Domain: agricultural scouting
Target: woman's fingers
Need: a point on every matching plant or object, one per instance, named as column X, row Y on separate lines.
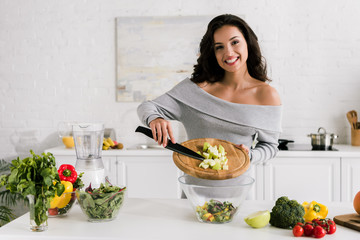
column 243, row 147
column 161, row 130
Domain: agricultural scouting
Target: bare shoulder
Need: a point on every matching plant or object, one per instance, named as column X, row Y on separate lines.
column 268, row 95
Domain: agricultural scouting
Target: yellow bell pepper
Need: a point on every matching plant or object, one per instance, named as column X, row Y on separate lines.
column 64, row 199
column 314, row 210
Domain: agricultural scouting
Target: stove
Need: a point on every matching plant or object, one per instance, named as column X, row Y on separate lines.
column 289, row 145
column 303, row 147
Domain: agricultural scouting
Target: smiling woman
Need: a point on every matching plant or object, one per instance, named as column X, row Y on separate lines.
column 227, row 96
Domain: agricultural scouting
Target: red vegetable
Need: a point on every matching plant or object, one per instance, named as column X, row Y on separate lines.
column 331, row 227
column 319, row 232
column 298, row 231
column 308, row 229
column 67, row 173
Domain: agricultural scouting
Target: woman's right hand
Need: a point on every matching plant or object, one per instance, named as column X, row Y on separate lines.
column 161, row 130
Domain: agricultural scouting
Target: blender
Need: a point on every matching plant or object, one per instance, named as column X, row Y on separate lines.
column 88, row 138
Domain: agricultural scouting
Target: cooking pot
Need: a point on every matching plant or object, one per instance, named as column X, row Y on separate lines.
column 322, row 140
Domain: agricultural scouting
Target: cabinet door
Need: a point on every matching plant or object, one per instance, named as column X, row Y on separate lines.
column 302, row 179
column 149, row 177
column 350, row 178
column 257, row 172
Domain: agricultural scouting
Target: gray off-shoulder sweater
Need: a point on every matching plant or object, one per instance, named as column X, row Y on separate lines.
column 206, row 116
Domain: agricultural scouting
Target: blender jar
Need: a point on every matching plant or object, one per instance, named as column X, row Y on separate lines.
column 88, row 138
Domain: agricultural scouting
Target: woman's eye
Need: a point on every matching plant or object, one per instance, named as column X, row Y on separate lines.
column 235, row 42
column 218, row 47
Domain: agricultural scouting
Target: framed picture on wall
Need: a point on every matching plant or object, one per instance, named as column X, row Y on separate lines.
column 153, row 54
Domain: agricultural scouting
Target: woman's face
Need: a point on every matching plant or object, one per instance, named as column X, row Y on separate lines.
column 230, row 48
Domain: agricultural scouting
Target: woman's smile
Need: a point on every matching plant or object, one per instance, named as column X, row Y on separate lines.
column 231, row 61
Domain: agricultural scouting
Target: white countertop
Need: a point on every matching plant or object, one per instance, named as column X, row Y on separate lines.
column 343, row 151
column 164, row 219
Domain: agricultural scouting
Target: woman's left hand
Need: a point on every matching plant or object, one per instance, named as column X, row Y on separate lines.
column 243, row 147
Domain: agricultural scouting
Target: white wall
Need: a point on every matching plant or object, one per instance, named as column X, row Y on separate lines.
column 57, row 62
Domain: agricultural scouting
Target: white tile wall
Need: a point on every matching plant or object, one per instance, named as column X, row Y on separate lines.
column 57, row 63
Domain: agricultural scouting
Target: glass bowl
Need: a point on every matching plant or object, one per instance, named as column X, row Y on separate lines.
column 69, row 199
column 99, row 207
column 216, row 201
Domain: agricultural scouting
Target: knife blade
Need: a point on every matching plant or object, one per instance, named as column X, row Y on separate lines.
column 172, row 146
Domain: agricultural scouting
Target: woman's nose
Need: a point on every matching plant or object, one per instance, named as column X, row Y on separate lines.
column 229, row 51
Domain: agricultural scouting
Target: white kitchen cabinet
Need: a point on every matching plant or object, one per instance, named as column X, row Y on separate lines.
column 350, row 184
column 256, row 192
column 302, row 178
column 149, row 176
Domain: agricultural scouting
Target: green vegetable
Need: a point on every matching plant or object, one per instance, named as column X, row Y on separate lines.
column 101, row 203
column 216, row 211
column 35, row 175
column 286, row 213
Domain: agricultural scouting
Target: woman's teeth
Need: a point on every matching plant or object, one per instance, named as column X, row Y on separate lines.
column 231, row 61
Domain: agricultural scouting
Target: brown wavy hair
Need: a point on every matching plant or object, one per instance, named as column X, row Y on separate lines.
column 207, row 68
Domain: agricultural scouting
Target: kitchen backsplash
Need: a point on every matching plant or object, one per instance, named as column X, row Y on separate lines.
column 58, row 64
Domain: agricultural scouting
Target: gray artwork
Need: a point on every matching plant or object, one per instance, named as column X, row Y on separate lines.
column 155, row 53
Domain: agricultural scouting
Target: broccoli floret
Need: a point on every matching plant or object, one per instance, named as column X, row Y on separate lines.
column 286, row 213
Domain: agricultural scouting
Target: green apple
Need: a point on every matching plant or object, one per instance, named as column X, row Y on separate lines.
column 216, row 166
column 258, row 219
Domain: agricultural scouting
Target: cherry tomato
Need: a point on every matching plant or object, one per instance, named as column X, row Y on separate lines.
column 308, row 229
column 331, row 227
column 298, row 231
column 319, row 232
column 300, row 224
column 330, row 222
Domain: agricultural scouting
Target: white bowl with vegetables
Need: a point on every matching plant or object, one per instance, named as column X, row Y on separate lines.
column 216, row 201
column 101, row 204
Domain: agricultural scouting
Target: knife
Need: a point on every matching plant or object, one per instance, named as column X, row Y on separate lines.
column 172, row 146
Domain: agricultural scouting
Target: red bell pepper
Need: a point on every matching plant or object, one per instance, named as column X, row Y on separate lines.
column 67, row 173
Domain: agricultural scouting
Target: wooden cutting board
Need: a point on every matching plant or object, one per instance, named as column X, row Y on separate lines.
column 349, row 220
column 238, row 160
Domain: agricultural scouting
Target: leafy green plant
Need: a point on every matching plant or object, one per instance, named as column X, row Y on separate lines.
column 6, row 215
column 7, row 198
column 35, row 175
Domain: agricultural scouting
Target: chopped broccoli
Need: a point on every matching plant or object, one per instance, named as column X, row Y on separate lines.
column 286, row 213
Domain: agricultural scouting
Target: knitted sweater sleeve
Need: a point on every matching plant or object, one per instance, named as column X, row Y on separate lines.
column 266, row 147
column 164, row 107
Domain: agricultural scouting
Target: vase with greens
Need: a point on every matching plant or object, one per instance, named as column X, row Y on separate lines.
column 37, row 179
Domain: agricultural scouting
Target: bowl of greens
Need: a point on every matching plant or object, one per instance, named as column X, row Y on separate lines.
column 216, row 201
column 101, row 204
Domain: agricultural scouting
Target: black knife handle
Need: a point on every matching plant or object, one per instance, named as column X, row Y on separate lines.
column 144, row 130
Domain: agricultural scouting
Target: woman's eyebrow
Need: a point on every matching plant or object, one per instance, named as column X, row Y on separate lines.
column 229, row 40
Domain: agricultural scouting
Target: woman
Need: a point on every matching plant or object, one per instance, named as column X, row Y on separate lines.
column 227, row 96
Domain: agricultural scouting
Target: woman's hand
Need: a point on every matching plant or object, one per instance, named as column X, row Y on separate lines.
column 243, row 147
column 161, row 130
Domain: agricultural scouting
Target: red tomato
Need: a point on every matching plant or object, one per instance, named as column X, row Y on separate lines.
column 298, row 231
column 330, row 222
column 316, row 220
column 319, row 232
column 300, row 224
column 331, row 227
column 308, row 229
